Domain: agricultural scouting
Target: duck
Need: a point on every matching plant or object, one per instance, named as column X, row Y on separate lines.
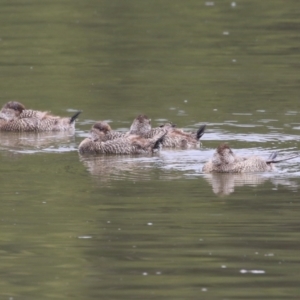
column 15, row 117
column 130, row 144
column 14, row 110
column 175, row 137
column 225, row 161
column 102, row 130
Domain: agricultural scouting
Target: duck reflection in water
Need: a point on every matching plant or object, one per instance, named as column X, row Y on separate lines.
column 36, row 141
column 109, row 168
column 225, row 183
column 15, row 117
column 225, row 161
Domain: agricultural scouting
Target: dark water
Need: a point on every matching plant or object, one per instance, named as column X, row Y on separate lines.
column 151, row 227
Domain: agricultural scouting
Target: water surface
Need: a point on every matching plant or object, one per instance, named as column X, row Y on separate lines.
column 150, row 227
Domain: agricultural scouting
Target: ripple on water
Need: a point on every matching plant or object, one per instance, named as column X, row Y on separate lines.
column 173, row 164
column 169, row 164
column 291, row 113
column 166, row 165
column 267, row 120
column 222, row 135
column 257, row 272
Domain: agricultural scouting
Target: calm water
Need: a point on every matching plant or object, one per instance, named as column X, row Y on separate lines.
column 151, row 227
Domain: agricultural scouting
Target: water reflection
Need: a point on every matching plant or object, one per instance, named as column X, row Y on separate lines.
column 225, row 183
column 169, row 165
column 117, row 167
column 165, row 165
column 32, row 142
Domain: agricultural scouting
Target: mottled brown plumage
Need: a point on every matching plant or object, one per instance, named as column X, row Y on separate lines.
column 14, row 105
column 141, row 125
column 14, row 110
column 132, row 144
column 175, row 138
column 102, row 130
column 14, row 117
column 225, row 161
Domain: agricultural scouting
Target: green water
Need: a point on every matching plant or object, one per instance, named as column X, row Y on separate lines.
column 153, row 227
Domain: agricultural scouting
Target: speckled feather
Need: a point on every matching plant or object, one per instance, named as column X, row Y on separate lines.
column 29, row 113
column 102, row 130
column 225, row 161
column 132, row 144
column 34, row 124
column 175, row 138
column 14, row 117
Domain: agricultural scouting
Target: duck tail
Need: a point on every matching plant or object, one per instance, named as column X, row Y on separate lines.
column 272, row 158
column 158, row 142
column 200, row 131
column 74, row 117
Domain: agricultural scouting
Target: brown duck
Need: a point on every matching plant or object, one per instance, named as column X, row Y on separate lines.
column 175, row 137
column 131, row 144
column 141, row 126
column 225, row 161
column 15, row 117
column 102, row 130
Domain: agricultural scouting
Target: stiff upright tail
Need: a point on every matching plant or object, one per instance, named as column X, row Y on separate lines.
column 200, row 131
column 74, row 117
column 272, row 158
column 159, row 142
